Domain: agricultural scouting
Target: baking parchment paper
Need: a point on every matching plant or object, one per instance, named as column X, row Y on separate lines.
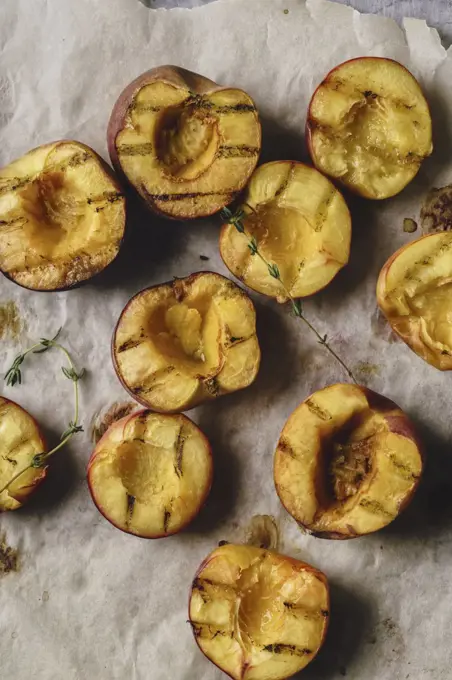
column 91, row 603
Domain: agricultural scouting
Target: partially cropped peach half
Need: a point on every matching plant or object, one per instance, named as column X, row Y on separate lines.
column 20, row 440
column 347, row 463
column 180, row 343
column 258, row 615
column 369, row 126
column 62, row 217
column 186, row 144
column 299, row 221
column 414, row 292
column 150, row 474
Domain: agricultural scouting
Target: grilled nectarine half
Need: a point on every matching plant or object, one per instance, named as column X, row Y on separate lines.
column 300, row 222
column 20, row 440
column 62, row 217
column 150, row 474
column 369, row 126
column 180, row 343
column 414, row 292
column 258, row 615
column 187, row 145
column 348, row 461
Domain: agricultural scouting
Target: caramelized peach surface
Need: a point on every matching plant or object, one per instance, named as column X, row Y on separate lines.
column 62, row 217
column 347, row 462
column 256, row 614
column 414, row 292
column 180, row 343
column 187, row 145
column 150, row 474
column 300, row 222
column 369, row 126
column 20, row 440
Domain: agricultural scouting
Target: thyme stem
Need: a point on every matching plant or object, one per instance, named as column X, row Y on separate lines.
column 13, row 376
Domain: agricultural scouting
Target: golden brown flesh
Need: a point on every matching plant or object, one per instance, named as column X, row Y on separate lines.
column 62, row 217
column 347, row 462
column 180, row 343
column 150, row 474
column 414, row 292
column 300, row 222
column 369, row 126
column 187, row 145
column 20, row 440
column 258, row 615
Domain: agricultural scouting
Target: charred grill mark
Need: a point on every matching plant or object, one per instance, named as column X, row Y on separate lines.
column 280, row 648
column 130, row 507
column 179, row 289
column 128, row 344
column 160, row 373
column 411, row 273
column 197, row 101
column 19, row 182
column 297, row 610
column 318, row 410
column 14, row 222
column 107, row 196
column 404, row 470
column 212, row 387
column 201, row 582
column 285, row 447
column 205, row 630
column 166, row 198
column 166, row 519
column 197, row 585
column 375, row 507
column 77, row 159
column 286, row 182
column 236, row 108
column 237, row 151
column 323, row 211
column 139, row 149
column 144, row 107
column 14, row 184
column 10, row 460
column 179, row 452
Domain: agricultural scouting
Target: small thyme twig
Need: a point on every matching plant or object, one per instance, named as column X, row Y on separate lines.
column 236, row 219
column 14, row 376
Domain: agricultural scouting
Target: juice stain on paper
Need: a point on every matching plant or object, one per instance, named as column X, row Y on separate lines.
column 11, row 324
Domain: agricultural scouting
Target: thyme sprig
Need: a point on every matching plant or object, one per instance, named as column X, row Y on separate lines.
column 236, row 219
column 14, row 376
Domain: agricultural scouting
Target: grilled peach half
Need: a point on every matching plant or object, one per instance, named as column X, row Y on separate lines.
column 369, row 126
column 62, row 217
column 20, row 440
column 150, row 474
column 414, row 293
column 300, row 222
column 180, row 343
column 347, row 463
column 187, row 145
column 256, row 614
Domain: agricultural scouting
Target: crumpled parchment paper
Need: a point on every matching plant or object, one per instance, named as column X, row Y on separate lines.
column 91, row 603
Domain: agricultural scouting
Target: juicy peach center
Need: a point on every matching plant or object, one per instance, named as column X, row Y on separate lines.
column 50, row 210
column 145, row 470
column 348, row 460
column 282, row 232
column 187, row 141
column 260, row 608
